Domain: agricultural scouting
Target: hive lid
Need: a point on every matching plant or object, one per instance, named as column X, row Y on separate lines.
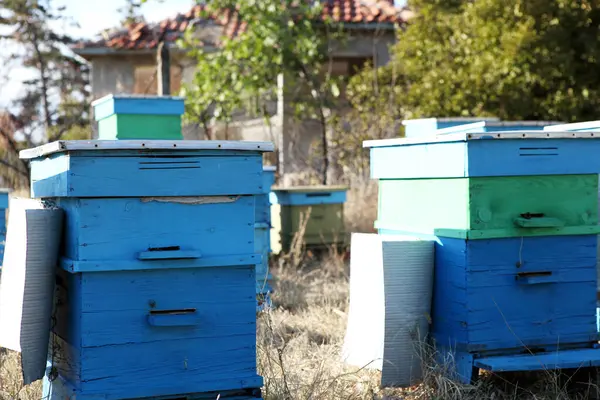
column 464, row 137
column 170, row 145
column 133, row 97
column 450, row 119
column 311, row 189
column 574, row 126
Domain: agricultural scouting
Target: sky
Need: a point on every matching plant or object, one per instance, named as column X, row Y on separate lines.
column 93, row 17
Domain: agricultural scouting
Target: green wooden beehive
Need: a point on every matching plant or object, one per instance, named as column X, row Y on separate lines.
column 316, row 210
column 491, row 207
column 139, row 117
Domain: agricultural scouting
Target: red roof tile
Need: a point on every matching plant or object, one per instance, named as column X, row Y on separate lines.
column 145, row 36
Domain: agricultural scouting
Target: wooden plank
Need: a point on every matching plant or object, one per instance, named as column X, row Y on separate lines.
column 564, row 359
column 118, row 229
column 137, row 176
column 137, row 104
column 479, row 208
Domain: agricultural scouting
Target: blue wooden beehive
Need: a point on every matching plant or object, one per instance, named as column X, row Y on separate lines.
column 512, row 299
column 262, row 240
column 156, row 285
column 423, row 126
column 3, row 207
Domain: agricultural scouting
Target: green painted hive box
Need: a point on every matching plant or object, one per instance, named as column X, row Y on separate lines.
column 318, row 211
column 491, row 207
column 132, row 117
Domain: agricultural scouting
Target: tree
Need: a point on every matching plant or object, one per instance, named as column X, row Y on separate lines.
column 280, row 37
column 54, row 100
column 131, row 12
column 514, row 59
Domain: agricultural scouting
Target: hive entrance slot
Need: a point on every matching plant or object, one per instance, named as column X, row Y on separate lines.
column 173, row 312
column 532, row 215
column 533, row 274
column 318, row 194
column 167, row 248
column 538, row 151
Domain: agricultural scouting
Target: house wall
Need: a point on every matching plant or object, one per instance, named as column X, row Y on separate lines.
column 294, row 140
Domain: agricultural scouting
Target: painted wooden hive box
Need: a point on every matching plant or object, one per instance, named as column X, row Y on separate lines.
column 422, row 126
column 135, row 117
column 156, row 285
column 514, row 216
column 318, row 211
column 262, row 240
column 498, row 126
column 3, row 207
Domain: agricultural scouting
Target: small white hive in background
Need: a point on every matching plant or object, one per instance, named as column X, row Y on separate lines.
column 391, row 280
column 27, row 282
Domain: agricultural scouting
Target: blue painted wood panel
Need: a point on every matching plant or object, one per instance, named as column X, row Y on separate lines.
column 103, row 321
column 566, row 359
column 114, row 174
column 510, row 293
column 3, row 199
column 128, row 104
column 501, row 157
column 309, row 198
column 65, row 175
column 120, row 229
column 262, row 246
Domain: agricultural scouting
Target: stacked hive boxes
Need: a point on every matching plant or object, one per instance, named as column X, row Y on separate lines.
column 138, row 117
column 318, row 211
column 3, row 207
column 515, row 218
column 262, row 240
column 156, row 285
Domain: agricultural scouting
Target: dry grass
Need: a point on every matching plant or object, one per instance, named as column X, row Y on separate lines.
column 300, row 339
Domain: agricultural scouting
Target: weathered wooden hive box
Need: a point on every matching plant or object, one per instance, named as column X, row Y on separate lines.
column 3, row 207
column 138, row 117
column 156, row 285
column 421, row 126
column 515, row 218
column 319, row 209
column 262, row 240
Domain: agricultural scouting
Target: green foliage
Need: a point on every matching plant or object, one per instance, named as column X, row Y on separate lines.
column 514, row 59
column 131, row 12
column 281, row 37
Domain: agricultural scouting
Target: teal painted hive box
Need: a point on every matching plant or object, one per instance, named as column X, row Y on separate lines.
column 3, row 207
column 156, row 285
column 262, row 239
column 424, row 126
column 131, row 117
column 514, row 217
column 318, row 211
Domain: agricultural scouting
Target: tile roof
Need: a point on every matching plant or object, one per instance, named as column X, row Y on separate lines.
column 146, row 36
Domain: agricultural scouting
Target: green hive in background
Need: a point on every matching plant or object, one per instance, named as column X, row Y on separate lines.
column 133, row 117
column 324, row 206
